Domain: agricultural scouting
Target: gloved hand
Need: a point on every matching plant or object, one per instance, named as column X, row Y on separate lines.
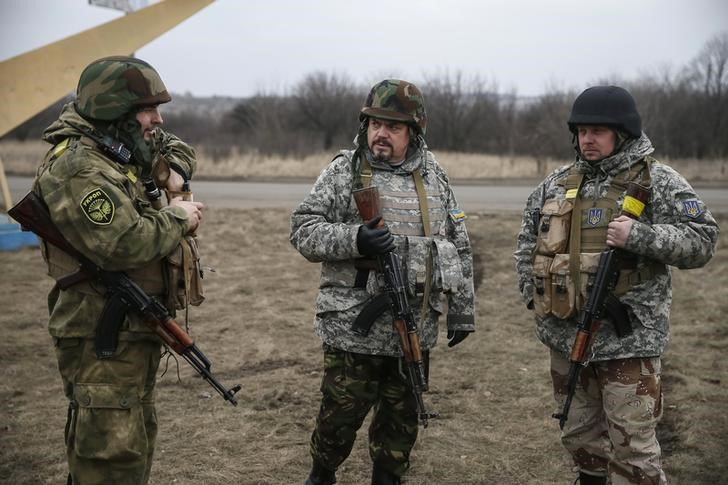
column 372, row 240
column 454, row 337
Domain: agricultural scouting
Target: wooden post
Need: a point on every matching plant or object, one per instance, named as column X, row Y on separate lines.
column 4, row 186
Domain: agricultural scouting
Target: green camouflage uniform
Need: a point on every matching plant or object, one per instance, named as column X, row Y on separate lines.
column 101, row 208
column 361, row 372
column 675, row 229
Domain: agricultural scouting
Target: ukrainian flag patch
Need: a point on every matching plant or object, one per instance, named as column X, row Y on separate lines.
column 457, row 214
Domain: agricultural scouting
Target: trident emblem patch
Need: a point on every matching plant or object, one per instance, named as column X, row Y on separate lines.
column 594, row 216
column 692, row 208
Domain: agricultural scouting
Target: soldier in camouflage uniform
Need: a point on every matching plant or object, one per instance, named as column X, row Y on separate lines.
column 97, row 200
column 361, row 372
column 610, row 431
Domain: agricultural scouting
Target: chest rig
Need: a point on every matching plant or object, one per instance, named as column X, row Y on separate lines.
column 572, row 233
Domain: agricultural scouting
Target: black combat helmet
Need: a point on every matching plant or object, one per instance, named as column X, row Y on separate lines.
column 606, row 105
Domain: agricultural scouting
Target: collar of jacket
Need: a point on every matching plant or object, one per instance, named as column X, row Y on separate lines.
column 633, row 151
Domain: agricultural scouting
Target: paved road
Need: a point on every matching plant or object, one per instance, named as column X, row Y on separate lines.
column 491, row 196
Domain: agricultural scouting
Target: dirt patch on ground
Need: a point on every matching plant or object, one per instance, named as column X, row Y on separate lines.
column 492, row 391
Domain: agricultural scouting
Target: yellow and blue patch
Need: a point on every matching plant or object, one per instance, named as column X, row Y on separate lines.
column 457, row 214
column 594, row 217
column 692, row 208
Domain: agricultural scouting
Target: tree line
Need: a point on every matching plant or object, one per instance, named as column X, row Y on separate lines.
column 684, row 112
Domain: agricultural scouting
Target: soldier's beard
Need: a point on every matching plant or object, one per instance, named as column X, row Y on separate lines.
column 381, row 156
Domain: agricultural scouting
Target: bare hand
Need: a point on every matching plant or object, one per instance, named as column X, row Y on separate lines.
column 193, row 210
column 618, row 231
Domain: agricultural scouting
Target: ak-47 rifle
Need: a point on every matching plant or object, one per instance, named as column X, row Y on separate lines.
column 601, row 301
column 122, row 292
column 389, row 266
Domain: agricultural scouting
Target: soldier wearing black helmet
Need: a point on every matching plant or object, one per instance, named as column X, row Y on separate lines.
column 610, row 430
column 362, row 372
column 108, row 151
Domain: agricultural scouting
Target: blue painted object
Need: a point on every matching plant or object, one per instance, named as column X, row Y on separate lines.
column 13, row 238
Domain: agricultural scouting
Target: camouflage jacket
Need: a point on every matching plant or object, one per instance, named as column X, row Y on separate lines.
column 675, row 229
column 101, row 208
column 324, row 229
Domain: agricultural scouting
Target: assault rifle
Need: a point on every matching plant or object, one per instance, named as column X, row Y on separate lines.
column 122, row 292
column 389, row 266
column 601, row 301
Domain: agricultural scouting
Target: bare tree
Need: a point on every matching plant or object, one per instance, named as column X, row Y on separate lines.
column 328, row 103
column 708, row 74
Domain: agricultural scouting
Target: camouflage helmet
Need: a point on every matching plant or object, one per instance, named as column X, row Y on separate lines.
column 396, row 100
column 609, row 106
column 113, row 86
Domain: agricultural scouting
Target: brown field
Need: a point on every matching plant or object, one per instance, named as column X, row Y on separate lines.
column 492, row 391
column 22, row 158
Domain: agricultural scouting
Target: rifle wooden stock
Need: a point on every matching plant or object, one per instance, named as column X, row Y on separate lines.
column 32, row 213
column 600, row 298
column 368, row 204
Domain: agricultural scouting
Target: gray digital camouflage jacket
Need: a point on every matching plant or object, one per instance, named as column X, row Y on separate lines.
column 675, row 229
column 324, row 229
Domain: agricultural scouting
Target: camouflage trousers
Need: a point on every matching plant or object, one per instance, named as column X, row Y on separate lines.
column 352, row 384
column 611, row 426
column 112, row 424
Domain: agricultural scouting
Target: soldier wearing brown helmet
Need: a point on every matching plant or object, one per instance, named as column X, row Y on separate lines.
column 426, row 225
column 100, row 182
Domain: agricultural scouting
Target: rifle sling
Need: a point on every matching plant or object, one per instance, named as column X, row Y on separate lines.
column 425, row 211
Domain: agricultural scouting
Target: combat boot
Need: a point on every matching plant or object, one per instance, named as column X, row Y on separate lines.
column 320, row 475
column 585, row 479
column 380, row 476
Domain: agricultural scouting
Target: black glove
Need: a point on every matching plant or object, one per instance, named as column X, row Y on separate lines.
column 372, row 240
column 454, row 337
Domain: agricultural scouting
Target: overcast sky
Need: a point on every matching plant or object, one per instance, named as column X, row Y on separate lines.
column 240, row 47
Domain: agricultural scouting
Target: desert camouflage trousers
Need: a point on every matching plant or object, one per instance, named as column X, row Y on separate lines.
column 352, row 384
column 611, row 426
column 112, row 424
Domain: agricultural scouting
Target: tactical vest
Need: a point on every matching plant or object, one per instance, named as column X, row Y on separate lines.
column 572, row 233
column 408, row 214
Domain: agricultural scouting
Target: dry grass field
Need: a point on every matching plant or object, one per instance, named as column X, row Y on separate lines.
column 492, row 391
column 22, row 158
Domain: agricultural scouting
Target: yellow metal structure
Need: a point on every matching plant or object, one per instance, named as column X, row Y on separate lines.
column 34, row 80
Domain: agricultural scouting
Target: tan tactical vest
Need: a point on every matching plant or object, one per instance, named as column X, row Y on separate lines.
column 572, row 226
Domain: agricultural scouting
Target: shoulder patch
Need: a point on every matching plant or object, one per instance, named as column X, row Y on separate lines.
column 98, row 207
column 457, row 214
column 692, row 208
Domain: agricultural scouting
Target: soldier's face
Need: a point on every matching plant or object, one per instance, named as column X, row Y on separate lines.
column 595, row 142
column 149, row 117
column 387, row 140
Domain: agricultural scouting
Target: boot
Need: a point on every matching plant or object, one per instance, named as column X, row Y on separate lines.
column 320, row 475
column 380, row 476
column 585, row 479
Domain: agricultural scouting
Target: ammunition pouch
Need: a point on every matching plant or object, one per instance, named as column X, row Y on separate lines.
column 184, row 275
